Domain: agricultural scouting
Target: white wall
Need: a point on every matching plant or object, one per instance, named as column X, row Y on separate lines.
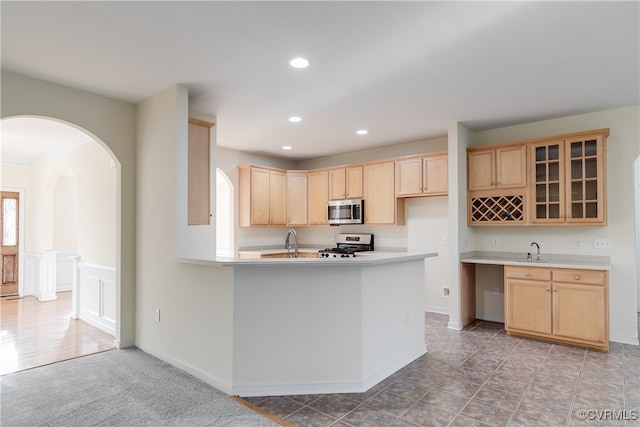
column 428, row 231
column 65, row 215
column 196, row 315
column 460, row 238
column 622, row 150
column 96, row 210
column 112, row 123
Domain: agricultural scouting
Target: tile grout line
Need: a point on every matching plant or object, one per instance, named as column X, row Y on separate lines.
column 575, row 389
column 524, row 393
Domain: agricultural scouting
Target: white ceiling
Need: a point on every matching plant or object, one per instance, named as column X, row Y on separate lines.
column 402, row 70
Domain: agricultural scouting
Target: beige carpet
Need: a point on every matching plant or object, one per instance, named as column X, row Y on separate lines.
column 117, row 388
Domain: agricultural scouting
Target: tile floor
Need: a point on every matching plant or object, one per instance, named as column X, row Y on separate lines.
column 482, row 377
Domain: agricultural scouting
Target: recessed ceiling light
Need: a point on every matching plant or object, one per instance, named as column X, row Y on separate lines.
column 295, row 119
column 299, row 63
column 287, row 147
column 362, row 132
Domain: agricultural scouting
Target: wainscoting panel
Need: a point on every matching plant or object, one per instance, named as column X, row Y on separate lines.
column 97, row 296
column 89, row 287
column 109, row 312
column 64, row 271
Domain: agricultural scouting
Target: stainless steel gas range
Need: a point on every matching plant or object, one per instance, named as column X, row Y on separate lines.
column 347, row 245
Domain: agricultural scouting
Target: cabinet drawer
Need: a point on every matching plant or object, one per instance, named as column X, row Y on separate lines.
column 593, row 277
column 530, row 273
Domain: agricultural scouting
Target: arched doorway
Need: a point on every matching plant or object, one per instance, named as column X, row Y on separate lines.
column 71, row 183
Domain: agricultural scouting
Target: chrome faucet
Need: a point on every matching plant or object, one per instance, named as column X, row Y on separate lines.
column 537, row 250
column 287, row 244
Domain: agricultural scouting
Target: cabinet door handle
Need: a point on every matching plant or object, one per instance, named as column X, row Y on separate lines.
column 576, row 277
column 547, row 289
column 555, row 290
column 526, row 274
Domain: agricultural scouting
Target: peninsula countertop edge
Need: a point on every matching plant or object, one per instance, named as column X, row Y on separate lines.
column 368, row 259
column 583, row 262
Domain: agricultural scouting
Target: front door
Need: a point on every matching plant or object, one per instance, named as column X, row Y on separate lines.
column 9, row 244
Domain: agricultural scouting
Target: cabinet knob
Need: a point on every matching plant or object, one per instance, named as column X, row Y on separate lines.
column 576, row 277
column 547, row 289
column 526, row 274
column 555, row 290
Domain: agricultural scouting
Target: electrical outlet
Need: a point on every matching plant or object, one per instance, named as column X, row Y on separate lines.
column 602, row 244
column 445, row 240
column 445, row 292
column 495, row 241
column 496, row 291
column 157, row 314
column 577, row 244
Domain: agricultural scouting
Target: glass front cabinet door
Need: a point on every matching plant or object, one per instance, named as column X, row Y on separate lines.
column 568, row 181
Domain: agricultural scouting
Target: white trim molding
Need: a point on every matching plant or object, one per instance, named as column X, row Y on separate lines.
column 96, row 296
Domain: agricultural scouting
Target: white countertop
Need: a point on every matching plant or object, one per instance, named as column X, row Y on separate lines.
column 361, row 259
column 583, row 262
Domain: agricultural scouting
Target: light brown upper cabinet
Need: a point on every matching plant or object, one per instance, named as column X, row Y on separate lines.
column 345, row 183
column 262, row 196
column 318, row 197
column 381, row 207
column 297, row 205
column 422, row 176
column 199, row 173
column 568, row 180
column 497, row 167
column 566, row 183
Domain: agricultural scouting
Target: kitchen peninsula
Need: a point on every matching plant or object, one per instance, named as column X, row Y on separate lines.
column 316, row 325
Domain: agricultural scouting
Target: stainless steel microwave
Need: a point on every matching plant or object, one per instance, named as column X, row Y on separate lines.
column 345, row 212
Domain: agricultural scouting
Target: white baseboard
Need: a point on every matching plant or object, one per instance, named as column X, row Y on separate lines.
column 438, row 310
column 623, row 339
column 286, row 389
column 124, row 344
column 214, row 382
column 252, row 390
column 456, row 326
column 490, row 318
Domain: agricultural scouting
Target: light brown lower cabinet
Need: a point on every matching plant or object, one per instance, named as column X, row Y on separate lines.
column 562, row 305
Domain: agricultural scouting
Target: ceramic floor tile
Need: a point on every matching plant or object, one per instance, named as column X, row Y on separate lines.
column 407, row 388
column 555, row 413
column 500, row 398
column 446, row 401
column 425, row 414
column 390, row 402
column 524, row 420
column 459, row 387
column 280, row 406
column 480, row 376
column 335, row 405
column 504, row 382
column 309, row 417
column 367, row 416
column 464, row 421
column 488, row 414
